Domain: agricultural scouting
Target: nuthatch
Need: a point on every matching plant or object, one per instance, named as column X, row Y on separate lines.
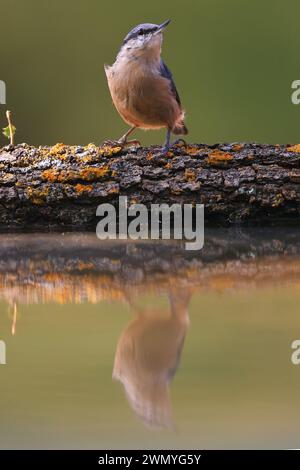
column 148, row 355
column 142, row 86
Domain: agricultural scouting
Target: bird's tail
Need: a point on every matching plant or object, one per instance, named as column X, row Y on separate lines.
column 180, row 128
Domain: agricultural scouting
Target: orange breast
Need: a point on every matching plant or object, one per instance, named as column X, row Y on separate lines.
column 143, row 98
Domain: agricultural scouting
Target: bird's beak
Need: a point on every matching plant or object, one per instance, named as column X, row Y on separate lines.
column 162, row 26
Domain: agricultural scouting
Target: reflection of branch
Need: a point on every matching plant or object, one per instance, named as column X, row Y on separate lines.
column 36, row 287
column 79, row 268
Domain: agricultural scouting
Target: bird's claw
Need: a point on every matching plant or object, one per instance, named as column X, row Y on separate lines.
column 113, row 143
column 179, row 141
column 121, row 143
column 165, row 149
column 135, row 142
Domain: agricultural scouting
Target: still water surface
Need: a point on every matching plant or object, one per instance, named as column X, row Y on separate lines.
column 145, row 345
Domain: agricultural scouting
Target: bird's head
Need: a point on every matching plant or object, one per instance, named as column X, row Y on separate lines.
column 146, row 37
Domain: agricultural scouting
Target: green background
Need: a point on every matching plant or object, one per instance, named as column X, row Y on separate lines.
column 233, row 63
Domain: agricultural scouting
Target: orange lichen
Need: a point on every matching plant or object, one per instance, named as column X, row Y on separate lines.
column 109, row 151
column 190, row 175
column 86, row 174
column 37, row 195
column 83, row 188
column 58, row 149
column 59, row 176
column 93, row 173
column 237, row 147
column 217, row 157
column 113, row 190
column 294, row 148
column 133, row 200
column 192, row 150
column 83, row 266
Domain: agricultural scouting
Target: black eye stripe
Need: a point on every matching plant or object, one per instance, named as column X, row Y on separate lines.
column 137, row 33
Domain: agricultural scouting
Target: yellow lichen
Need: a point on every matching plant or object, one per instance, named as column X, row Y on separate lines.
column 108, row 151
column 278, row 200
column 37, row 195
column 58, row 149
column 190, row 175
column 294, row 148
column 218, row 157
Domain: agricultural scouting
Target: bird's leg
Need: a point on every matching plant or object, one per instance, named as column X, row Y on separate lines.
column 123, row 140
column 132, row 304
column 167, row 141
column 179, row 303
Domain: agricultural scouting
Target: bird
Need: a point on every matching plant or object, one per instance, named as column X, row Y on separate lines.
column 147, row 357
column 142, row 86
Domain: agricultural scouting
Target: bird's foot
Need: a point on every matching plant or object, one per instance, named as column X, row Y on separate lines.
column 134, row 142
column 179, row 142
column 121, row 143
column 113, row 143
column 165, row 149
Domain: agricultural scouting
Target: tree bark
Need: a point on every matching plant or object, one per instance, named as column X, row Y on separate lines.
column 61, row 186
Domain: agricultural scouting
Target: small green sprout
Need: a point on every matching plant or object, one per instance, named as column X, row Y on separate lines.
column 10, row 130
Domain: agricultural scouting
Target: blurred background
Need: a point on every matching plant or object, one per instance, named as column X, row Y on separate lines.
column 233, row 64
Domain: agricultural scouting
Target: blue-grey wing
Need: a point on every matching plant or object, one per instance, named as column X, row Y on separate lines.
column 166, row 73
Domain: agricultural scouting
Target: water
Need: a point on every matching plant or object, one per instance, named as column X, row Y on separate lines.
column 145, row 345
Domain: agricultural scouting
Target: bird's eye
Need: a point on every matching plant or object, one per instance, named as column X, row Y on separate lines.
column 141, row 31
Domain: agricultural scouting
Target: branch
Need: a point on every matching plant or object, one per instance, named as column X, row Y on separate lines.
column 61, row 186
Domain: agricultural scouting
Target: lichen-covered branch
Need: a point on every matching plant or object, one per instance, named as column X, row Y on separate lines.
column 61, row 186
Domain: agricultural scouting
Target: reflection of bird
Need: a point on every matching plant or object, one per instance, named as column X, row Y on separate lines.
column 147, row 357
column 142, row 86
